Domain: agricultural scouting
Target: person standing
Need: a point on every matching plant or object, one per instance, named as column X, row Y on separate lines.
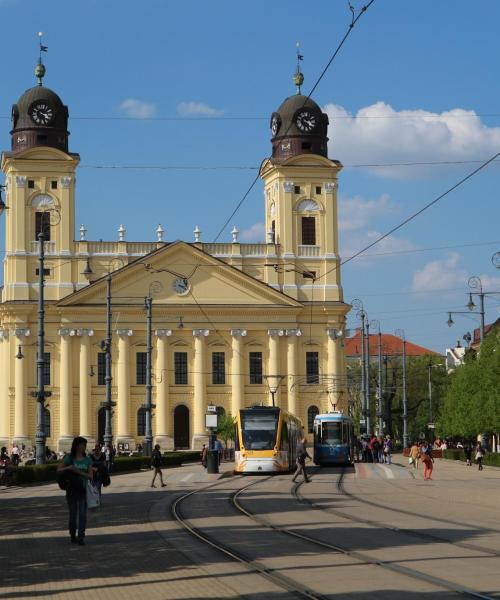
column 414, row 454
column 427, row 460
column 99, row 462
column 302, row 454
column 79, row 466
column 479, row 456
column 15, row 454
column 218, row 447
column 468, row 453
column 203, row 456
column 388, row 449
column 156, row 464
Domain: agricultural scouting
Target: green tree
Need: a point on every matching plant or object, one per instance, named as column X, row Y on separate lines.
column 226, row 428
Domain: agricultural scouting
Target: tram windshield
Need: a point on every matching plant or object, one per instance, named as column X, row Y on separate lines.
column 331, row 433
column 259, row 429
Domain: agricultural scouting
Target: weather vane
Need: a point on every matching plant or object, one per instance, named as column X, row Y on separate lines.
column 298, row 77
column 40, row 68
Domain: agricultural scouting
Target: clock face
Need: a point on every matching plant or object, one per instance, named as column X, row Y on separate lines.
column 305, row 120
column 275, row 123
column 41, row 113
column 181, row 285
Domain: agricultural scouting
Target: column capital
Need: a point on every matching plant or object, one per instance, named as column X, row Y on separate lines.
column 22, row 332
column 162, row 333
column 238, row 333
column 275, row 332
column 293, row 332
column 4, row 334
column 83, row 332
column 124, row 333
column 201, row 333
column 329, row 187
column 334, row 333
column 63, row 332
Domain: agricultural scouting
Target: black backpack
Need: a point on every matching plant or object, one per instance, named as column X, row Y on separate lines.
column 70, row 482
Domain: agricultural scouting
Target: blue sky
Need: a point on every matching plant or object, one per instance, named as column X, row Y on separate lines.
column 416, row 82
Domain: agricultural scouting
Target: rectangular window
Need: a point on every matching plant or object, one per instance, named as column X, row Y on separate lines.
column 255, row 364
column 308, row 231
column 181, row 368
column 296, row 189
column 31, row 183
column 140, row 368
column 42, row 224
column 309, row 274
column 318, row 189
column 46, row 368
column 46, row 272
column 218, row 368
column 53, row 185
column 101, row 368
column 312, row 367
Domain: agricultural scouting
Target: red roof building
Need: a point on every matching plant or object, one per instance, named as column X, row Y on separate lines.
column 391, row 345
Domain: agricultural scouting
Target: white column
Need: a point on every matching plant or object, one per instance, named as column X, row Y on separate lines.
column 237, row 381
column 85, row 385
column 274, row 375
column 162, row 380
column 21, row 394
column 123, row 434
column 336, row 376
column 293, row 392
column 65, row 389
column 199, row 395
column 4, row 388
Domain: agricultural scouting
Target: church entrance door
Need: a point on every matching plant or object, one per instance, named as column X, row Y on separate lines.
column 181, row 427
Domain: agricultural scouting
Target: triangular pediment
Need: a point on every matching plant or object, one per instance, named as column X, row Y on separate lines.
column 211, row 282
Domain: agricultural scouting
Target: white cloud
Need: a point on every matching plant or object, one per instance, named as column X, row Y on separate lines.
column 490, row 283
column 360, row 239
column 380, row 134
column 137, row 108
column 357, row 212
column 440, row 274
column 254, row 233
column 191, row 109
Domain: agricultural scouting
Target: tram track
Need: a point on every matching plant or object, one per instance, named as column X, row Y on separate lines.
column 253, row 566
column 360, row 556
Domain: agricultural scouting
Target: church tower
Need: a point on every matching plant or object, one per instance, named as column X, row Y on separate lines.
column 40, row 182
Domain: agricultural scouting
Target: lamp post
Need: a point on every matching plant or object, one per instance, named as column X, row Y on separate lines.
column 148, row 406
column 367, row 378
column 108, row 379
column 358, row 304
column 380, row 394
column 400, row 333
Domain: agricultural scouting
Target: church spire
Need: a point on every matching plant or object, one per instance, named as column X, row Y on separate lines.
column 40, row 68
column 298, row 77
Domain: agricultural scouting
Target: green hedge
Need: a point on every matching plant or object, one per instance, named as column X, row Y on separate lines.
column 40, row 473
column 491, row 459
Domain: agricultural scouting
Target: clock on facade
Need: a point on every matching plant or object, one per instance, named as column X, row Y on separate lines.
column 41, row 113
column 181, row 286
column 305, row 120
column 275, row 123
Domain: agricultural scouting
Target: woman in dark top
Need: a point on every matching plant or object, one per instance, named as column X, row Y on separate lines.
column 156, row 464
column 99, row 462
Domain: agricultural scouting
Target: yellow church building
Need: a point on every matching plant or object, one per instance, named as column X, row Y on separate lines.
column 234, row 324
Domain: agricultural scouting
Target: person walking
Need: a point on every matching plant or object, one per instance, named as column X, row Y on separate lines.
column 203, row 456
column 156, row 464
column 414, row 455
column 79, row 468
column 387, row 449
column 479, row 456
column 468, row 453
column 427, row 460
column 99, row 462
column 302, row 454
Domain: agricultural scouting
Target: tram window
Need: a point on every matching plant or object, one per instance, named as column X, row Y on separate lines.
column 285, row 444
column 259, row 430
column 331, row 433
column 236, row 439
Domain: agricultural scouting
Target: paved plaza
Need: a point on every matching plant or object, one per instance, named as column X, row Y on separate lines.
column 446, row 529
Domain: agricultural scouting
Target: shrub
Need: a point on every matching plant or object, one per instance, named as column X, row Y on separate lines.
column 491, row 459
column 32, row 474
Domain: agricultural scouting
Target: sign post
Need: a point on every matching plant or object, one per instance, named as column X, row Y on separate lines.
column 211, row 425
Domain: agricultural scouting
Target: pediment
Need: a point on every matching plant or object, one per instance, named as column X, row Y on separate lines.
column 211, row 282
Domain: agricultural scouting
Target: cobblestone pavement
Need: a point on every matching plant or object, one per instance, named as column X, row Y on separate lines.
column 135, row 548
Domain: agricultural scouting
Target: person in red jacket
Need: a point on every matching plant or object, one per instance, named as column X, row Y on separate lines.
column 427, row 460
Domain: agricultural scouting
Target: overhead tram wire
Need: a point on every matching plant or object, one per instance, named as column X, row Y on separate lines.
column 353, row 23
column 414, row 215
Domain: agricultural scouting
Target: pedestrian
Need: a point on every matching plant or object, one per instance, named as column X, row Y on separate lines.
column 78, row 466
column 374, row 447
column 99, row 462
column 380, row 441
column 427, row 460
column 15, row 454
column 302, row 454
column 108, row 453
column 358, row 448
column 156, row 464
column 218, row 447
column 4, row 464
column 203, row 456
column 414, row 455
column 479, row 456
column 388, row 449
column 364, row 449
column 468, row 453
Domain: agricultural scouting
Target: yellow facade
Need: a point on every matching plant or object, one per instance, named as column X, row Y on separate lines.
column 281, row 298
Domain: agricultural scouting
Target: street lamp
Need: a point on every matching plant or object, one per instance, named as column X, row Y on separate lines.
column 431, row 366
column 365, row 363
column 273, row 387
column 400, row 333
column 380, row 393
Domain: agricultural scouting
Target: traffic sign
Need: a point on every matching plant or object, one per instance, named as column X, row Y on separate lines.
column 211, row 408
column 431, row 426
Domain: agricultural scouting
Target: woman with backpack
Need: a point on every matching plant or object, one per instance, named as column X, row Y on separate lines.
column 78, row 468
column 156, row 464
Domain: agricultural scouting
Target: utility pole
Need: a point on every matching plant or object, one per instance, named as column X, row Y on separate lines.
column 380, row 393
column 367, row 380
column 148, row 406
column 40, row 393
column 108, row 403
column 401, row 334
column 363, row 386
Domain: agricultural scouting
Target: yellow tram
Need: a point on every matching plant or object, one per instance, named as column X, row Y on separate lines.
column 266, row 440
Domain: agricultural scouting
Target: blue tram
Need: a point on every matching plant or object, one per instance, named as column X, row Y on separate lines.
column 333, row 439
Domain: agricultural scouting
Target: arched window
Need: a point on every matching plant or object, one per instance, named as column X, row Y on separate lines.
column 46, row 422
column 312, row 412
column 141, row 422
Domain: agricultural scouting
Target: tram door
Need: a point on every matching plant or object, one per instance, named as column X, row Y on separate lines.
column 101, row 424
column 181, row 426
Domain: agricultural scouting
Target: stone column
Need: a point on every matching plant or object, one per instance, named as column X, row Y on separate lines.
column 162, row 380
column 336, row 378
column 21, row 390
column 274, row 375
column 65, row 390
column 293, row 392
column 200, row 436
column 123, row 434
column 4, row 389
column 237, row 380
column 85, row 385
